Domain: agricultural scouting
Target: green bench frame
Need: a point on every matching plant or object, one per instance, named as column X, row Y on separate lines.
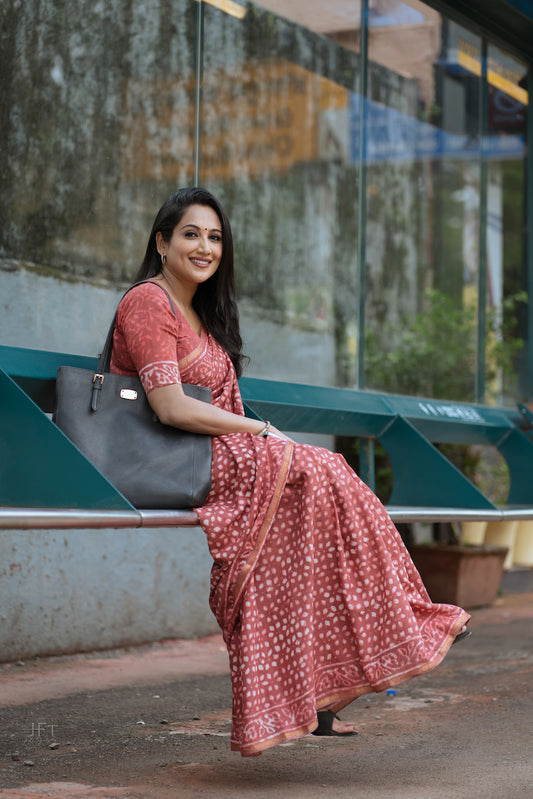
column 46, row 482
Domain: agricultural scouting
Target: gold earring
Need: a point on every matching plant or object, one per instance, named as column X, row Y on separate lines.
column 163, row 260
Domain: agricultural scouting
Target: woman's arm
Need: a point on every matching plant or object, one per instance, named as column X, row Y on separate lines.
column 146, row 309
column 173, row 407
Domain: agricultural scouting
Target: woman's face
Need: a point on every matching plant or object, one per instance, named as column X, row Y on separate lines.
column 193, row 253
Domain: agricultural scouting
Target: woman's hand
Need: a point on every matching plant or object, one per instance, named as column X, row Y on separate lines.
column 278, row 434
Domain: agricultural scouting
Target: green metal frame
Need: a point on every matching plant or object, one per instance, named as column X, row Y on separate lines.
column 39, row 465
column 407, row 427
column 41, row 468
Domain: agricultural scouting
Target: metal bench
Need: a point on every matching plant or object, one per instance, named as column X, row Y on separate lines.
column 47, row 483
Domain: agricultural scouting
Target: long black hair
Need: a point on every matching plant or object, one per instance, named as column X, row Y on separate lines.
column 214, row 300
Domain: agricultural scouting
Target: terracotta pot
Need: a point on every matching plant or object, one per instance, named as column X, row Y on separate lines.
column 468, row 576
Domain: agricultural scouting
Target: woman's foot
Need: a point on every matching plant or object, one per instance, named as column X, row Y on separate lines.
column 342, row 728
column 330, row 724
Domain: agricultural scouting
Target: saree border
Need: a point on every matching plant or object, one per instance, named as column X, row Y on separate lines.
column 246, row 569
column 339, row 698
column 197, row 353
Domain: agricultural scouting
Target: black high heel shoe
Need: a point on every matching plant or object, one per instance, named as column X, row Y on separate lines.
column 462, row 635
column 325, row 725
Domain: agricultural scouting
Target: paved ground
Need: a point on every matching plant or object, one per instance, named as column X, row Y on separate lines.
column 154, row 722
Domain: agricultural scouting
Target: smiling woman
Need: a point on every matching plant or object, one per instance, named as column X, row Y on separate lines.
column 190, row 257
column 313, row 589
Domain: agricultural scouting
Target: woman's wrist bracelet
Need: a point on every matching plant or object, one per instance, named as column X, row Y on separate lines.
column 264, row 432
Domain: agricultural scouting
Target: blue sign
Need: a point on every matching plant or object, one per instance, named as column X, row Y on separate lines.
column 396, row 136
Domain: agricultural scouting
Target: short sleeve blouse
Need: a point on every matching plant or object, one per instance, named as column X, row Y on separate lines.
column 146, row 338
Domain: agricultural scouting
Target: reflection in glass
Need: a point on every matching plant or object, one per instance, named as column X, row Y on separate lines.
column 423, row 203
column 445, row 210
column 505, row 149
column 275, row 145
column 262, row 103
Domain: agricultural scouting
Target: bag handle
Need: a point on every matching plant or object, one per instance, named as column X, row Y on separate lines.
column 104, row 361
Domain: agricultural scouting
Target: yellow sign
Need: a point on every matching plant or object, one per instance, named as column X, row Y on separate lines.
column 499, row 76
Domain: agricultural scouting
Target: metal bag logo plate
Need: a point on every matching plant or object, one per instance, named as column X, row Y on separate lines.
column 128, row 393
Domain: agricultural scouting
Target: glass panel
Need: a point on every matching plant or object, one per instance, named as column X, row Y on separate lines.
column 423, row 202
column 506, row 279
column 276, row 140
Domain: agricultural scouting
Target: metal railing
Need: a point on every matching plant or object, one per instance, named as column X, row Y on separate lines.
column 66, row 519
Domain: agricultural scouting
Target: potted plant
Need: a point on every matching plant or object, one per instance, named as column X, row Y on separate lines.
column 467, row 575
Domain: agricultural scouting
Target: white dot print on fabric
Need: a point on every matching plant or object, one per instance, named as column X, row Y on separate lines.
column 311, row 584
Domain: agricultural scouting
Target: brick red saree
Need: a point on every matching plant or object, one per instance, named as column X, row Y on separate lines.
column 315, row 593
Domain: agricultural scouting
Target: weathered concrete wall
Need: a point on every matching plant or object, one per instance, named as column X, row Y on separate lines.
column 65, row 591
column 97, row 108
column 41, row 310
column 97, row 122
column 72, row 590
column 79, row 82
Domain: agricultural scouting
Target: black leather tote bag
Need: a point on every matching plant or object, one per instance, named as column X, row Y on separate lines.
column 108, row 417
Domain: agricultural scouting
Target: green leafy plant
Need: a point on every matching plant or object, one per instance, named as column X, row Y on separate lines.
column 433, row 354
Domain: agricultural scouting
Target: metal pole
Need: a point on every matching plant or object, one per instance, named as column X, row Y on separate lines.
column 361, row 209
column 366, row 462
column 527, row 385
column 198, row 66
column 482, row 255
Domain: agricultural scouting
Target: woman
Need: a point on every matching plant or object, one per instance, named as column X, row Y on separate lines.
column 314, row 591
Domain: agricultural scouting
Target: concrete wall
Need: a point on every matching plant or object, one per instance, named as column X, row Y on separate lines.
column 49, row 312
column 98, row 105
column 79, row 590
column 76, row 590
